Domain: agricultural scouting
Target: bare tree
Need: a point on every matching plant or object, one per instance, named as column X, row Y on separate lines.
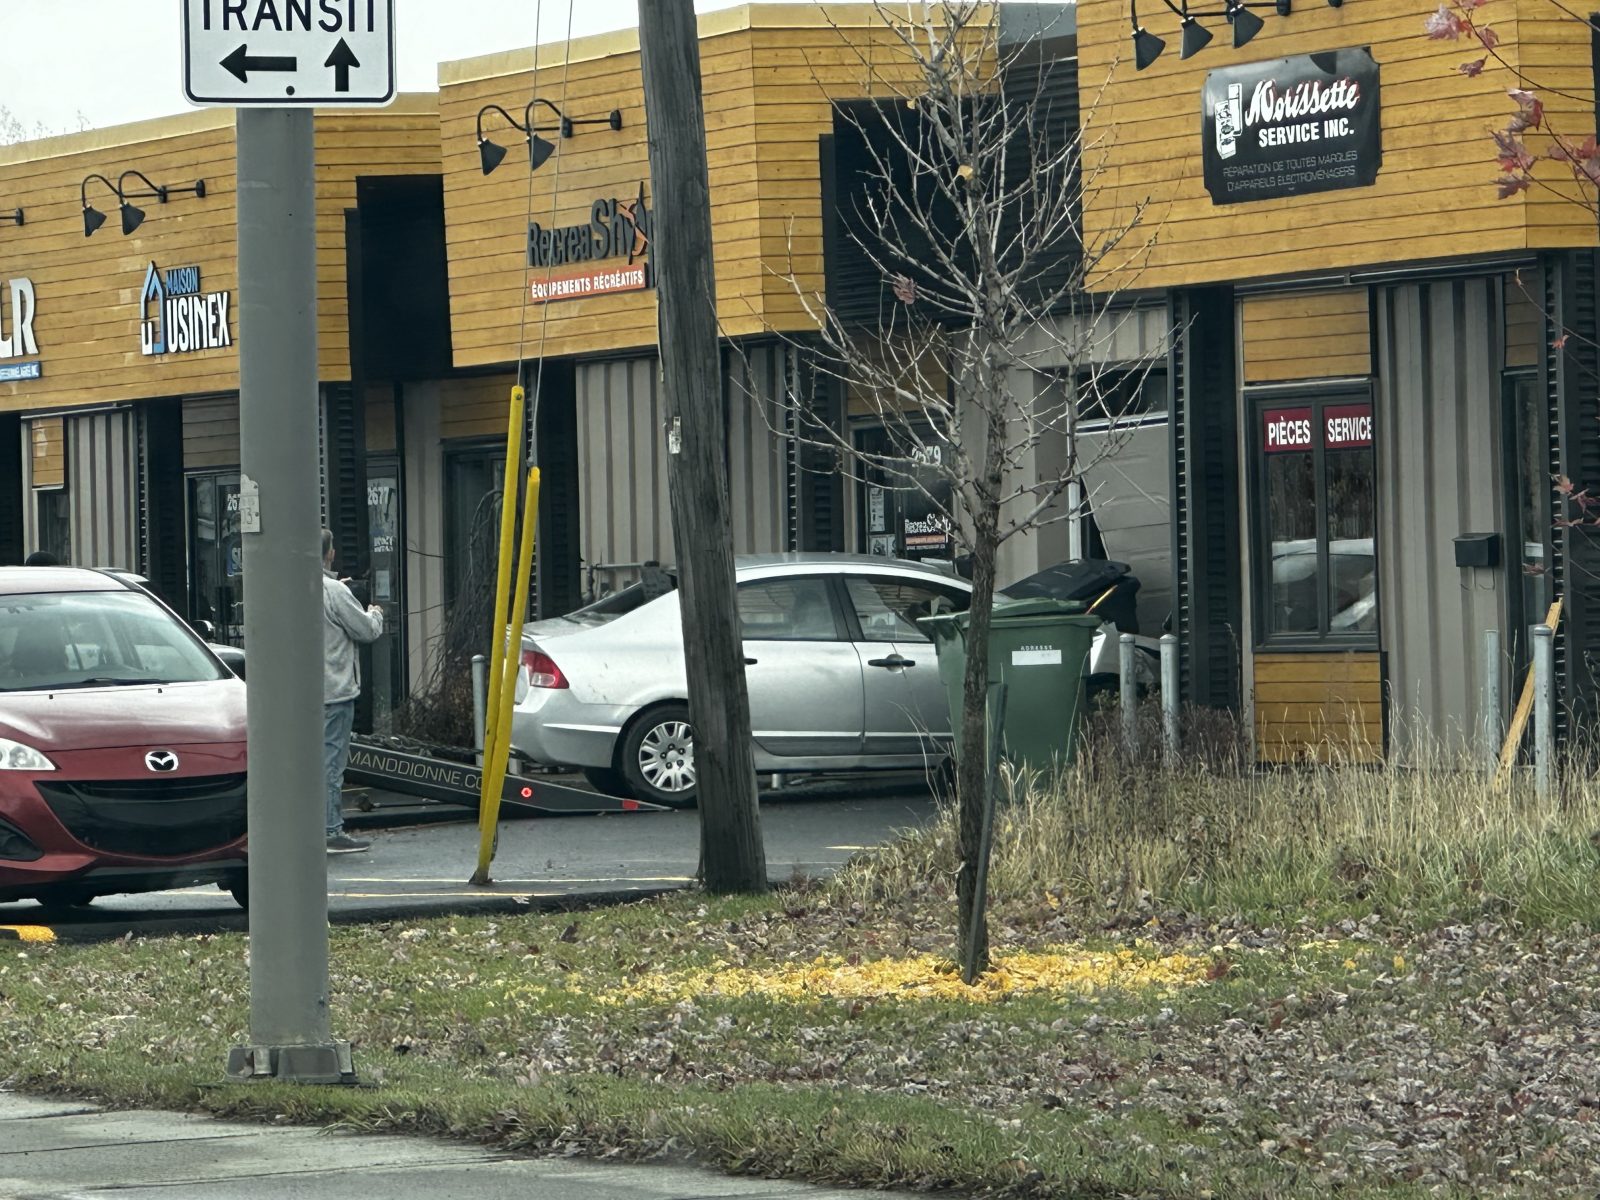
column 988, row 348
column 14, row 129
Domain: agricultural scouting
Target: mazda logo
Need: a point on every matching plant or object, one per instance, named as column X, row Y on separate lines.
column 161, row 760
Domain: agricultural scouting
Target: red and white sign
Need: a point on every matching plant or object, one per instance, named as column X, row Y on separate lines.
column 1344, row 427
column 1347, row 426
column 1287, row 429
column 590, row 281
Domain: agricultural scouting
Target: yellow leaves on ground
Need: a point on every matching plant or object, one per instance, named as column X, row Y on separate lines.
column 925, row 977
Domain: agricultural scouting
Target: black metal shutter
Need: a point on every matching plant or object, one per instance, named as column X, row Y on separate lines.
column 558, row 582
column 1206, row 489
column 1571, row 371
column 11, row 494
column 163, row 556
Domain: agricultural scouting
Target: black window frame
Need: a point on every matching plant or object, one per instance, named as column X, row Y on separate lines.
column 1317, row 399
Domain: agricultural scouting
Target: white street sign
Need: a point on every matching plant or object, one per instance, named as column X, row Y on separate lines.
column 288, row 53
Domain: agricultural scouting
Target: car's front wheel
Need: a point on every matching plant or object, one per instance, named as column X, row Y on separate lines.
column 658, row 757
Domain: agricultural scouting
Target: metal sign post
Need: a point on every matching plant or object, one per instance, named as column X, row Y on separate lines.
column 285, row 59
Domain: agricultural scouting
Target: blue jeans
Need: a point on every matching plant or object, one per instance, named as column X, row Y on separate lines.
column 336, row 722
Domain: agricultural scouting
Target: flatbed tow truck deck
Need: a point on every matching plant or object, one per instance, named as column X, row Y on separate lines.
column 429, row 773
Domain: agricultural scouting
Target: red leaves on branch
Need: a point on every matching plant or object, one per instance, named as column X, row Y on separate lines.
column 1530, row 111
column 1584, row 159
column 1474, row 68
column 1560, row 344
column 1445, row 23
column 1512, row 154
column 905, row 289
column 1487, row 36
column 1510, row 185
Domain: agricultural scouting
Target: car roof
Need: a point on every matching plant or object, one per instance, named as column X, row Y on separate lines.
column 22, row 581
column 745, row 562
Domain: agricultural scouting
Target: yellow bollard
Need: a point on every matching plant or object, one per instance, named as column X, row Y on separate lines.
column 494, row 769
column 500, row 618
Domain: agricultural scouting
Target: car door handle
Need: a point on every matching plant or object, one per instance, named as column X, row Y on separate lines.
column 749, row 662
column 893, row 661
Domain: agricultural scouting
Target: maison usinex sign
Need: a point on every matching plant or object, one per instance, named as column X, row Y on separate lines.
column 1291, row 126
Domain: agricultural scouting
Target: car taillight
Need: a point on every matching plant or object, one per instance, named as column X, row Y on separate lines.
column 542, row 670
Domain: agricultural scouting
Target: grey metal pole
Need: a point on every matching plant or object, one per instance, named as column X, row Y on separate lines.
column 1169, row 697
column 1544, row 709
column 1129, row 697
column 480, row 702
column 290, row 1037
column 1493, row 707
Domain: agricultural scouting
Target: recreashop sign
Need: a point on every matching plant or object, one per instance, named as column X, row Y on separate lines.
column 1291, row 126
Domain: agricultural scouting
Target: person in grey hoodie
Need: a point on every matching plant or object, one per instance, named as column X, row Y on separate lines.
column 344, row 624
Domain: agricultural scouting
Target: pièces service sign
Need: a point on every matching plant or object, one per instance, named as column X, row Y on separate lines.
column 1291, row 126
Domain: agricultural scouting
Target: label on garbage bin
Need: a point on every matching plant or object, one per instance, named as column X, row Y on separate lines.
column 1035, row 658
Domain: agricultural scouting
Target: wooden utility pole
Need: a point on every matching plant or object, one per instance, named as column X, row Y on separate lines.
column 732, row 857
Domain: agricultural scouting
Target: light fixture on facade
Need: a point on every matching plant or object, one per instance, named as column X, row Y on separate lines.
column 1147, row 47
column 1196, row 37
column 1245, row 23
column 93, row 218
column 1283, row 7
column 133, row 217
column 491, row 154
column 14, row 217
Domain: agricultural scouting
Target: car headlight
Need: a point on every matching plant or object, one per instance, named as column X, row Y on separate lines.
column 14, row 756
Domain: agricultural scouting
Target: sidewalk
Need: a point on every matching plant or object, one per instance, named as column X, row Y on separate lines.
column 52, row 1150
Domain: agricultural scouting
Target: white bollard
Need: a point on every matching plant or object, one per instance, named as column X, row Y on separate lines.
column 480, row 703
column 1544, row 709
column 1129, row 696
column 1169, row 697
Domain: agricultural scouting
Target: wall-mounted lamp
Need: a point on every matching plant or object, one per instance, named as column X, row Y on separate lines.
column 14, row 217
column 1245, row 23
column 492, row 154
column 132, row 216
column 1147, row 47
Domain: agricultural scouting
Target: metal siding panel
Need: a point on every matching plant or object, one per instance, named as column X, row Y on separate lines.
column 423, row 496
column 1438, row 476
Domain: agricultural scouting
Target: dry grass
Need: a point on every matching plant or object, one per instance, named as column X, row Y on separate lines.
column 1117, row 834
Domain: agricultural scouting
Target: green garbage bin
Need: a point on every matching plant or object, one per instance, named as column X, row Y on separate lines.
column 1037, row 648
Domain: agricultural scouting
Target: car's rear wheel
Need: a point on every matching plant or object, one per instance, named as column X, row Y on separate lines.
column 658, row 757
column 69, row 898
column 607, row 782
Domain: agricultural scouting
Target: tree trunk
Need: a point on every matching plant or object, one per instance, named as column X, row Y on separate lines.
column 731, row 853
column 972, row 773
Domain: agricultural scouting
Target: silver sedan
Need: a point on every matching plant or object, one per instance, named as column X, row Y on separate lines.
column 840, row 676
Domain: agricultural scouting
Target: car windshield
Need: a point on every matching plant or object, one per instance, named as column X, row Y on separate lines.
column 58, row 640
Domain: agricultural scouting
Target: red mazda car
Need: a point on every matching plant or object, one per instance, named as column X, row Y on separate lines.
column 122, row 744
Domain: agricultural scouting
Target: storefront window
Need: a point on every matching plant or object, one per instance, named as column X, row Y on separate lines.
column 1318, row 514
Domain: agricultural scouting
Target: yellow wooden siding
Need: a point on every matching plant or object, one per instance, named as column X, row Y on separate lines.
column 49, row 442
column 1524, row 327
column 1434, row 196
column 1311, row 335
column 211, row 432
column 87, row 290
column 477, row 407
column 769, row 75
column 1318, row 706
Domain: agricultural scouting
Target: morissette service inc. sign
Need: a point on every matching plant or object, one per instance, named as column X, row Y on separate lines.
column 1291, row 126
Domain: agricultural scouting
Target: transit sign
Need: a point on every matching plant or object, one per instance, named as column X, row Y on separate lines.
column 288, row 53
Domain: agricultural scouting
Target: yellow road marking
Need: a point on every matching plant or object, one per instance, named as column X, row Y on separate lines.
column 30, row 933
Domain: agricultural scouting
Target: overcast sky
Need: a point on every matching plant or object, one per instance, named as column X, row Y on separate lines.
column 118, row 60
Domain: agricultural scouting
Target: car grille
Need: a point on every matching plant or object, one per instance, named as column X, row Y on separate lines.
column 158, row 818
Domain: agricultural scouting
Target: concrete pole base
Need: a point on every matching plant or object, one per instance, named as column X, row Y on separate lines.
column 330, row 1062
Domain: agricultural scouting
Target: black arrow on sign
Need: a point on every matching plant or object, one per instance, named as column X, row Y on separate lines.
column 341, row 60
column 240, row 63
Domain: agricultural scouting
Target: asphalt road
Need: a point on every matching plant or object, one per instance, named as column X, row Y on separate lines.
column 422, row 855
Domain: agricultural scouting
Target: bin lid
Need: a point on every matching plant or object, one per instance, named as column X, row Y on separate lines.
column 1040, row 606
column 1077, row 579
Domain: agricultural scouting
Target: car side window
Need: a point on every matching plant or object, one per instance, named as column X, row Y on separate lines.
column 888, row 608
column 788, row 610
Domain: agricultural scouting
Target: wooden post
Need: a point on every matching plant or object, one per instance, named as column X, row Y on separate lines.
column 732, row 857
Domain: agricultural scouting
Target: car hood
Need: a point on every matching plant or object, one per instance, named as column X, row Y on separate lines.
column 174, row 714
